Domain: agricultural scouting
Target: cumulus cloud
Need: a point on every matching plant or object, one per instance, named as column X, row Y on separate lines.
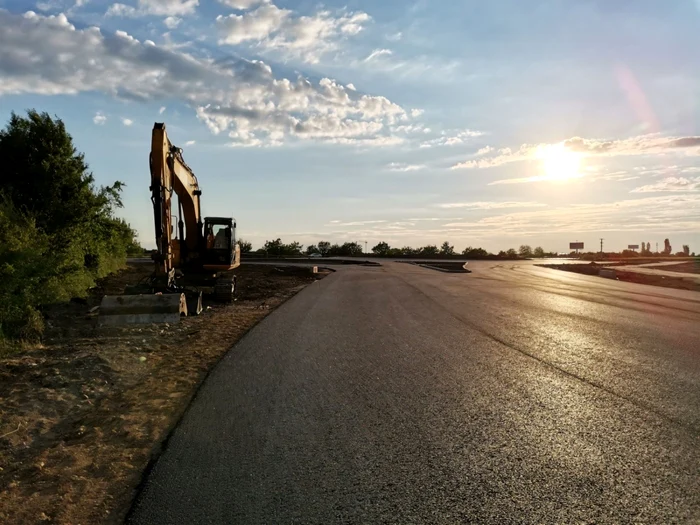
column 484, row 151
column 172, row 22
column 127, row 121
column 242, row 5
column 242, row 98
column 671, row 184
column 399, row 166
column 305, row 37
column 256, row 25
column 452, row 139
column 99, row 118
column 642, row 145
column 169, row 8
column 490, row 205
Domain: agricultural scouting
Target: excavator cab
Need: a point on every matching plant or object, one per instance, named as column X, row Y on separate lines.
column 221, row 252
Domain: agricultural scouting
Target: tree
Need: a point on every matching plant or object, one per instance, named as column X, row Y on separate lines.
column 539, row 252
column 408, row 251
column 447, row 249
column 475, row 253
column 429, row 250
column 246, row 247
column 279, row 249
column 512, row 254
column 58, row 232
column 686, row 250
column 324, row 248
column 311, row 249
column 667, row 247
column 382, row 249
column 525, row 251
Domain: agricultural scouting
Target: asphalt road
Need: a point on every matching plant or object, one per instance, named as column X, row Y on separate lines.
column 398, row 394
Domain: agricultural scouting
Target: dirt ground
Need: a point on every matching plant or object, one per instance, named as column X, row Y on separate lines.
column 687, row 267
column 82, row 416
column 632, row 277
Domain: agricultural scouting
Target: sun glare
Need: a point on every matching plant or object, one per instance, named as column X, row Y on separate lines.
column 559, row 163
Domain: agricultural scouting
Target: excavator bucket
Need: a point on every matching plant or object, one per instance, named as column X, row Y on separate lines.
column 142, row 309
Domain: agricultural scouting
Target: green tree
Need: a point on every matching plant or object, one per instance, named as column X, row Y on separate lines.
column 429, row 250
column 324, row 248
column 58, row 231
column 525, row 251
column 246, row 247
column 475, row 253
column 539, row 252
column 381, row 249
column 311, row 249
column 447, row 249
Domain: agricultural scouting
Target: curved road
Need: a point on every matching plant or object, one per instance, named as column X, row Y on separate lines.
column 398, row 394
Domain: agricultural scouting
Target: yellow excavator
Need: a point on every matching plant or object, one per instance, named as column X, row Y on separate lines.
column 192, row 252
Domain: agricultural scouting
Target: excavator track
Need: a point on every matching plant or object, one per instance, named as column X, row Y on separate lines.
column 225, row 289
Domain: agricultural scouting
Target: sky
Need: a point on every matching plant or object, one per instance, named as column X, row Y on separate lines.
column 490, row 124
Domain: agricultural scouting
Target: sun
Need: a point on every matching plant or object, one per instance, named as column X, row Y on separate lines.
column 559, row 163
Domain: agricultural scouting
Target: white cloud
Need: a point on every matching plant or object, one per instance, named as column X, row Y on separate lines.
column 242, row 5
column 168, row 8
column 491, row 205
column 171, row 22
column 484, row 151
column 190, row 143
column 127, row 121
column 452, row 139
column 378, row 53
column 99, row 118
column 161, row 110
column 671, row 184
column 678, row 213
column 357, row 223
column 642, row 145
column 395, row 37
column 399, row 166
column 256, row 25
column 274, row 29
column 239, row 97
column 351, row 86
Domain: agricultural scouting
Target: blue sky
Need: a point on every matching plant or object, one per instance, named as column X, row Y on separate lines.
column 488, row 124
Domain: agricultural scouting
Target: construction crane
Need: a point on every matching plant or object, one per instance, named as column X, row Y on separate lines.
column 192, row 253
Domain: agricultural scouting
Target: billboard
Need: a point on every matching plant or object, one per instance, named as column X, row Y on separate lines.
column 633, row 246
column 575, row 246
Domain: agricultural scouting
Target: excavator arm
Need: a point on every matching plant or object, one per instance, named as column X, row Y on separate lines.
column 171, row 175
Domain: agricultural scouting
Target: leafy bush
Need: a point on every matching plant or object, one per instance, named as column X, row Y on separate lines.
column 58, row 233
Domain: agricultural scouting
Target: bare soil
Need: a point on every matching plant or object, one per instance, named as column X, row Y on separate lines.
column 82, row 416
column 687, row 267
column 632, row 277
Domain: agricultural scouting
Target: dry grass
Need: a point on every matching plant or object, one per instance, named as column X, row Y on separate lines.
column 81, row 417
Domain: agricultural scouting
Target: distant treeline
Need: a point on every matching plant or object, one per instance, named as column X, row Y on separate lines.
column 277, row 248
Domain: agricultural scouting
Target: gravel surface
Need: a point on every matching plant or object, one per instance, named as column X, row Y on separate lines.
column 514, row 394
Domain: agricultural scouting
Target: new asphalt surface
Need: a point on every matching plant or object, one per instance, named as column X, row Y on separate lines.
column 398, row 394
